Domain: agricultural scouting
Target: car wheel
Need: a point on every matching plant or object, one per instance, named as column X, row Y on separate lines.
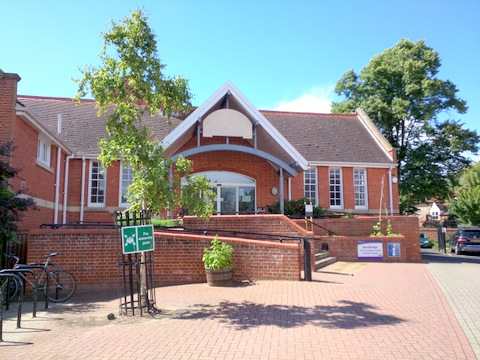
column 458, row 251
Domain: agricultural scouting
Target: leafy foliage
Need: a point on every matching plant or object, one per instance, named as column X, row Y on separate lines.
column 401, row 93
column 12, row 206
column 218, row 256
column 466, row 205
column 129, row 87
column 295, row 208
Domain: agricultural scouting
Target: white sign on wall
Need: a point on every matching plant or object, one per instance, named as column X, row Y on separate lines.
column 370, row 249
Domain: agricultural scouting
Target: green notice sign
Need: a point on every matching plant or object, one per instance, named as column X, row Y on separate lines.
column 137, row 239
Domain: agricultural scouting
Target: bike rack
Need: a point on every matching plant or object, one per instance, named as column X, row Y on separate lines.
column 36, row 287
column 20, row 301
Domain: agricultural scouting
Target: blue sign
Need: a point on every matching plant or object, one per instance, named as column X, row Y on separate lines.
column 393, row 249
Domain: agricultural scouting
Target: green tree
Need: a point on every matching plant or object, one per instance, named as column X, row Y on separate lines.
column 12, row 206
column 466, row 204
column 130, row 87
column 401, row 93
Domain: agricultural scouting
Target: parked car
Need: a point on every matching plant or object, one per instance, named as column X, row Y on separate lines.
column 465, row 240
column 425, row 241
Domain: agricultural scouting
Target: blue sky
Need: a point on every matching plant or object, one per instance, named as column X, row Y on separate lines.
column 281, row 54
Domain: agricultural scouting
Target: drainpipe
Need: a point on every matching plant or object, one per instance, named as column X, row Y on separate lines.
column 57, row 186
column 82, row 199
column 170, row 186
column 280, row 187
column 57, row 174
column 65, row 187
column 289, row 180
column 390, row 188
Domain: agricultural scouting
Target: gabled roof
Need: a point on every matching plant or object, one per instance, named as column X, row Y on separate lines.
column 333, row 138
column 305, row 139
column 269, row 139
column 81, row 127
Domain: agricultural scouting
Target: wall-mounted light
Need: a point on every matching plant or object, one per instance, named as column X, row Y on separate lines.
column 274, row 190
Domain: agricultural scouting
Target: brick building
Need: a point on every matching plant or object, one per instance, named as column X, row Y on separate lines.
column 253, row 158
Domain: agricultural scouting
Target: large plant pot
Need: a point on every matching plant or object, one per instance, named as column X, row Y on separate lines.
column 221, row 277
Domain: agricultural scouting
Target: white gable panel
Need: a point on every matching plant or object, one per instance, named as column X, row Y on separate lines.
column 227, row 122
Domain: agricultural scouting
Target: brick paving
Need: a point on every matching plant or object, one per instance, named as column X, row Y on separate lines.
column 382, row 311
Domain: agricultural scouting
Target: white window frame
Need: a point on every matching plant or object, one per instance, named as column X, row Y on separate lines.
column 340, row 192
column 310, row 180
column 357, row 184
column 125, row 170
column 43, row 151
column 102, row 171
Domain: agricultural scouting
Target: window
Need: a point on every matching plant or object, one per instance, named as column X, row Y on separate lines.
column 126, row 178
column 96, row 191
column 336, row 201
column 310, row 183
column 235, row 192
column 43, row 152
column 360, row 188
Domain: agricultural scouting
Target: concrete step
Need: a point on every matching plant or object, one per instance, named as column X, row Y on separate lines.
column 322, row 259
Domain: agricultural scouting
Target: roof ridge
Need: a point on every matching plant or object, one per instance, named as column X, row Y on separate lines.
column 53, row 98
column 307, row 113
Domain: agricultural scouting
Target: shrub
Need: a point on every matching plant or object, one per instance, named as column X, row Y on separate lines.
column 218, row 256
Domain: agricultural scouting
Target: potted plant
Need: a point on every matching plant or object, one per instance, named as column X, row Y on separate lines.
column 218, row 262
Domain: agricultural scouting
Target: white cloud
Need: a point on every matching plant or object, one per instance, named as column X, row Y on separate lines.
column 315, row 100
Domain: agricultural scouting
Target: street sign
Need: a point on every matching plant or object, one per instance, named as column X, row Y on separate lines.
column 137, row 239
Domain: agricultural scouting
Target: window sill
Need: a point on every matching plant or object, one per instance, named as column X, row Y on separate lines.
column 44, row 166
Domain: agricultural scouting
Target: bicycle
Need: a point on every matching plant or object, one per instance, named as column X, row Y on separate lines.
column 64, row 282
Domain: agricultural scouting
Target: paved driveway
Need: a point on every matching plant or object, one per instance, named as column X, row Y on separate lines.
column 349, row 311
column 459, row 279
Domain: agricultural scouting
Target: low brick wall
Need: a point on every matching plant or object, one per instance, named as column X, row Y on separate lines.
column 93, row 256
column 259, row 224
column 345, row 248
column 362, row 227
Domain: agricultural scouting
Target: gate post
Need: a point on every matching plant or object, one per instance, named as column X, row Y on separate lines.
column 307, row 259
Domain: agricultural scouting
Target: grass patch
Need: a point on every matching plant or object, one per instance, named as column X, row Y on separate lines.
column 166, row 222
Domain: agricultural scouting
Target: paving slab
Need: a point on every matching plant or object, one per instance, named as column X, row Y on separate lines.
column 349, row 311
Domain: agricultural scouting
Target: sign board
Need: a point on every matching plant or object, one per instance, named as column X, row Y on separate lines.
column 370, row 249
column 393, row 249
column 137, row 239
column 308, row 210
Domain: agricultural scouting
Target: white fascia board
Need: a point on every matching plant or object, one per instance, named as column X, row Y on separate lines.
column 41, row 127
column 376, row 135
column 352, row 164
column 276, row 135
column 191, row 120
column 253, row 112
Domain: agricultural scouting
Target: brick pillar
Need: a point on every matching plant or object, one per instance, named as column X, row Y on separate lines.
column 8, row 100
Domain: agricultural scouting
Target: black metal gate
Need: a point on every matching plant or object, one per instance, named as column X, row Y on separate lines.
column 17, row 246
column 136, row 271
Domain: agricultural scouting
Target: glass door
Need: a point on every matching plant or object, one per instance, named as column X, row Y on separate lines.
column 228, row 200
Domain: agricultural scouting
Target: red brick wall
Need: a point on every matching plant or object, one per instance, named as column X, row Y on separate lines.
column 260, row 224
column 93, row 255
column 407, row 226
column 345, row 248
column 8, row 99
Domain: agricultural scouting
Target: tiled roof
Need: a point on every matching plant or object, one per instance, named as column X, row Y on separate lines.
column 81, row 127
column 328, row 137
column 317, row 137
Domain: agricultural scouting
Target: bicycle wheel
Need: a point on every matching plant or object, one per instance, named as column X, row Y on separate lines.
column 9, row 287
column 62, row 286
